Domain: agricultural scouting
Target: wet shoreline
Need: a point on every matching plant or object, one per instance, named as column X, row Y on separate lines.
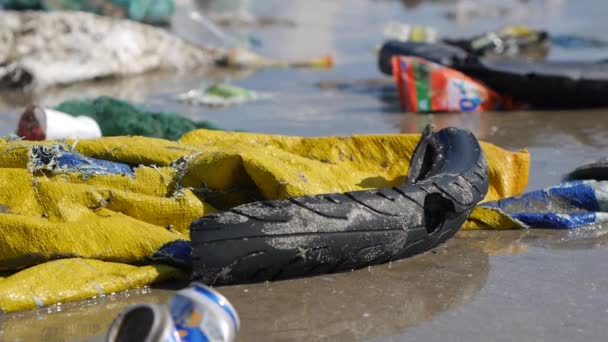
column 536, row 285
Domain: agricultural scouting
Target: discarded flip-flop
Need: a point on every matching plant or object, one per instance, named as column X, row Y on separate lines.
column 220, row 95
column 303, row 236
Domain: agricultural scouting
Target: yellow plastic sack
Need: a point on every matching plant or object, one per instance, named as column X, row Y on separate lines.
column 47, row 215
column 490, row 218
column 73, row 279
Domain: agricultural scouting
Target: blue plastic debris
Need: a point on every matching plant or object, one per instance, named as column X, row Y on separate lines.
column 58, row 159
column 566, row 206
column 577, row 42
column 176, row 253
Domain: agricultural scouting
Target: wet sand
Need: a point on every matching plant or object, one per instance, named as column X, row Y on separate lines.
column 534, row 285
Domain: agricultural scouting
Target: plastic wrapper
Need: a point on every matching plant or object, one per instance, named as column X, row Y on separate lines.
column 564, row 206
column 427, row 87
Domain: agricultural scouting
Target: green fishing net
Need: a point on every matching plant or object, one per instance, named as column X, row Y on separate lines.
column 118, row 117
column 149, row 11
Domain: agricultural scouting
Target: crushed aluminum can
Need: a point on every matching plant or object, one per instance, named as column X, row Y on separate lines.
column 203, row 314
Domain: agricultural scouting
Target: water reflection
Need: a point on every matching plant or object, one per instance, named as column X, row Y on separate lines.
column 478, row 123
column 135, row 88
column 519, row 241
column 521, row 129
column 378, row 301
column 74, row 321
column 374, row 302
column 225, row 8
column 156, row 90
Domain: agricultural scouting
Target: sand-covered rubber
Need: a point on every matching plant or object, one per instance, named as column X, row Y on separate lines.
column 305, row 236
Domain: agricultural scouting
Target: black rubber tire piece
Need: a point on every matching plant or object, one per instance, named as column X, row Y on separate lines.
column 595, row 171
column 438, row 53
column 304, row 236
column 545, row 84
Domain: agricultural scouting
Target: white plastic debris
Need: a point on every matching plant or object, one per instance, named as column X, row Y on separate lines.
column 39, row 49
column 407, row 33
column 38, row 123
column 220, row 95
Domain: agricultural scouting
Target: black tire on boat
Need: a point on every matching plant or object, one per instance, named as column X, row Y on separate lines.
column 304, row 236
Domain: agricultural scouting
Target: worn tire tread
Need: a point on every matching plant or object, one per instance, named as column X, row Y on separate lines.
column 272, row 240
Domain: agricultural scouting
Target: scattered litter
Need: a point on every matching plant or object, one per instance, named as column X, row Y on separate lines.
column 550, row 87
column 465, row 11
column 103, row 116
column 201, row 313
column 241, row 58
column 514, row 41
column 57, row 159
column 38, row 123
column 429, row 87
column 410, row 33
column 565, row 206
column 195, row 314
column 98, row 221
column 220, row 95
column 85, row 46
column 511, row 41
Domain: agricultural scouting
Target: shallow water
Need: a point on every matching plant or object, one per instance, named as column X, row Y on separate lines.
column 533, row 285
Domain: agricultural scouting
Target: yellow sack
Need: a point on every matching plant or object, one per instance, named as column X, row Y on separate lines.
column 73, row 279
column 490, row 218
column 51, row 211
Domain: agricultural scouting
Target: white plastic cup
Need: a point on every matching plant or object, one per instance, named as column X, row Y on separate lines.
column 38, row 123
